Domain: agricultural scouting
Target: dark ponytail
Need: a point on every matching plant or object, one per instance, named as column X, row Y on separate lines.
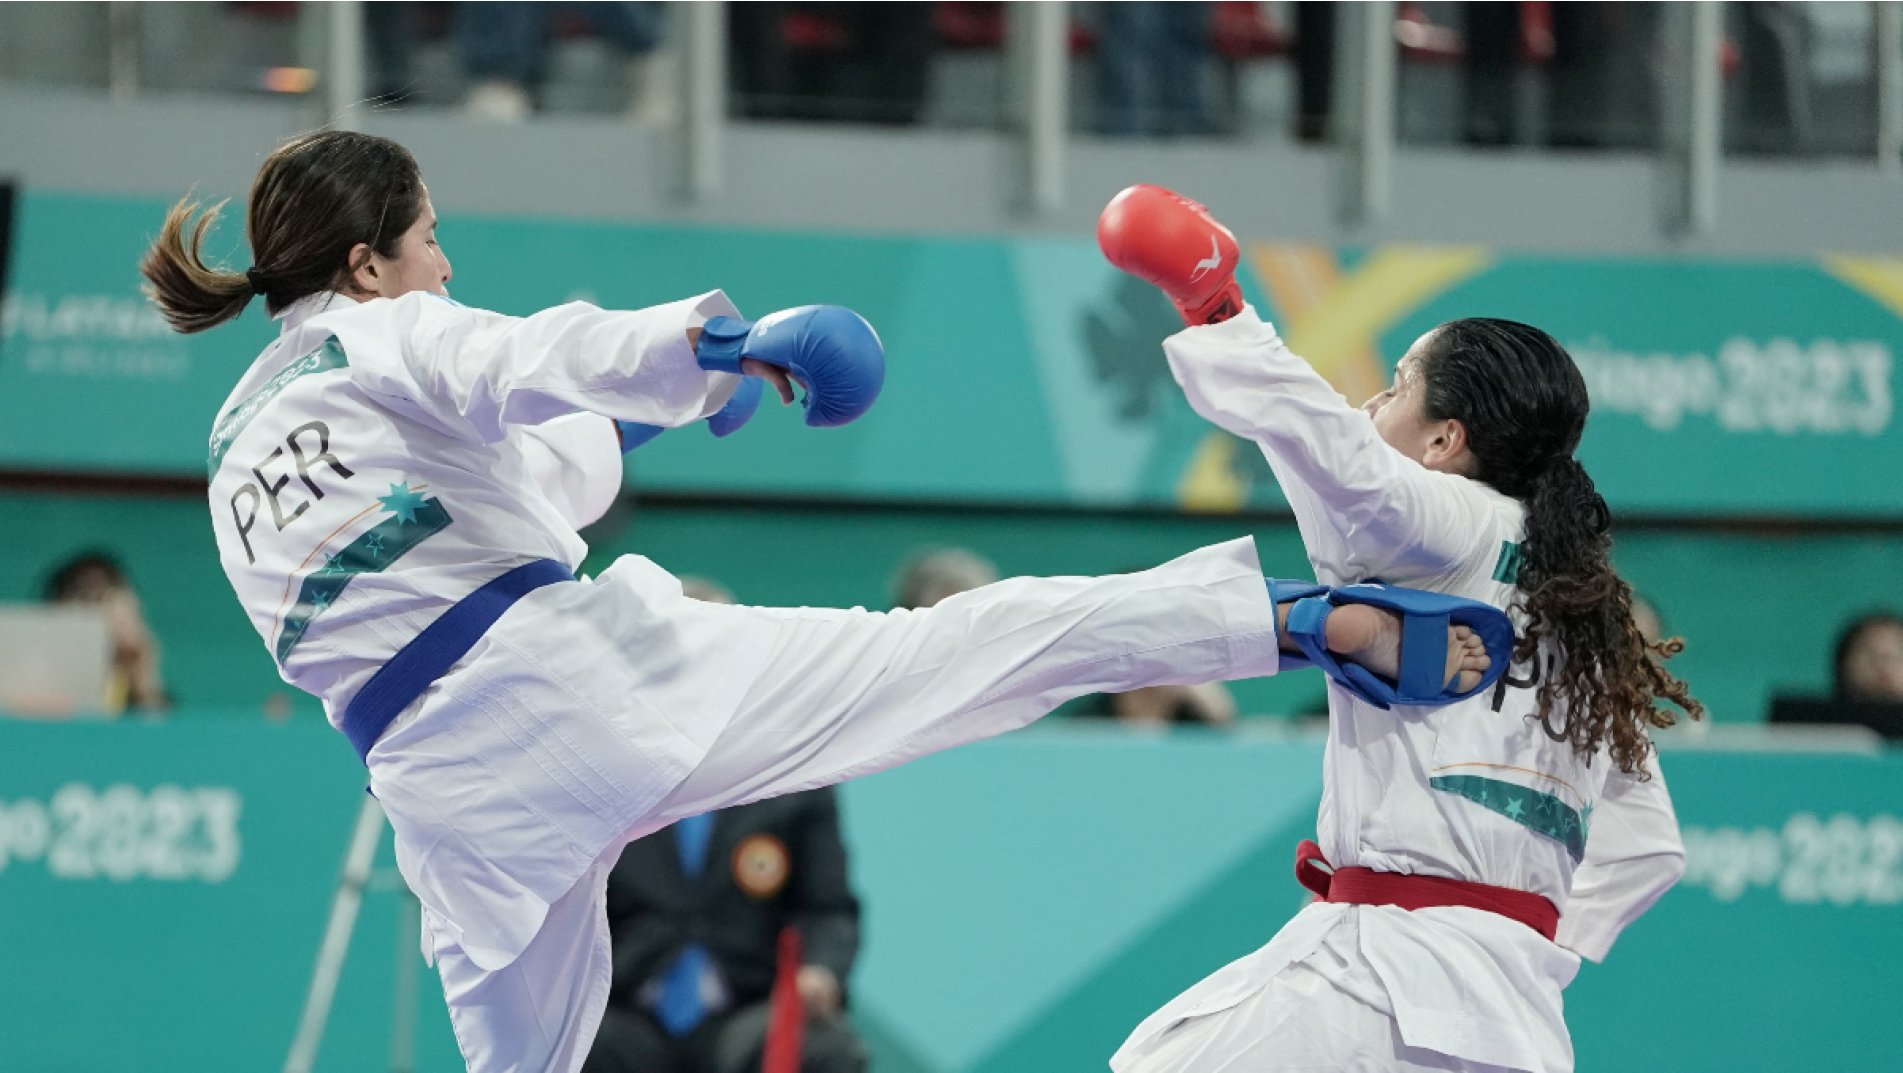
column 1523, row 404
column 315, row 199
column 192, row 295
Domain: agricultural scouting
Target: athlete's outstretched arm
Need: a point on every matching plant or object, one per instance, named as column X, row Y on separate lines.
column 1633, row 856
column 1364, row 509
column 577, row 461
column 472, row 373
column 1376, row 505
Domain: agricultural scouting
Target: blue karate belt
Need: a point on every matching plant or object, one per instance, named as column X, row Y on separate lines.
column 431, row 654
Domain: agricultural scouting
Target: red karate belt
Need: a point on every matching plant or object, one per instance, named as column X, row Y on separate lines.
column 1365, row 886
column 786, row 1021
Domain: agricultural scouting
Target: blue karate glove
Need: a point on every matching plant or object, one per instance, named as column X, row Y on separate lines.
column 722, row 422
column 739, row 410
column 634, row 434
column 830, row 350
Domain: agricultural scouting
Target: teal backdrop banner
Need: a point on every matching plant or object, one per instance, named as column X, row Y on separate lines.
column 1742, row 646
column 1027, row 901
column 1027, row 370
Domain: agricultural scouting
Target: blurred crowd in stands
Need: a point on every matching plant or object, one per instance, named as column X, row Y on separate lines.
column 1799, row 78
column 1572, row 75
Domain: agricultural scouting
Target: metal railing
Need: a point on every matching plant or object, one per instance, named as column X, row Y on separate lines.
column 1037, row 62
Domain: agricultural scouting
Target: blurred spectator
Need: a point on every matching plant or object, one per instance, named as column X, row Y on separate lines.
column 391, row 34
column 1314, row 68
column 1578, row 44
column 1773, row 85
column 929, row 577
column 1647, row 618
column 504, row 47
column 94, row 578
column 1866, row 681
column 862, row 62
column 699, row 588
column 1156, row 60
column 1869, row 660
column 1209, row 704
column 696, row 912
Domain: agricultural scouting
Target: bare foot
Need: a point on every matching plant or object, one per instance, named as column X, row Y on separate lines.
column 1372, row 638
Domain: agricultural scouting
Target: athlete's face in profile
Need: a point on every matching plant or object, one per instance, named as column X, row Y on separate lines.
column 419, row 264
column 1400, row 417
column 1400, row 412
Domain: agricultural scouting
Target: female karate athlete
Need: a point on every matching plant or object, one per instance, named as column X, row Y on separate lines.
column 396, row 485
column 1465, row 884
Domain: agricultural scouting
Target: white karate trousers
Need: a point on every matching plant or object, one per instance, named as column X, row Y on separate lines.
column 833, row 695
column 1327, row 1010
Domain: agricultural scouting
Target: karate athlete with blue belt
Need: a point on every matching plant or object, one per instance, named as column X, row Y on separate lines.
column 396, row 487
column 1480, row 847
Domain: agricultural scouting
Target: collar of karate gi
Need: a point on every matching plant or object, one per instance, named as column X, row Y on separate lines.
column 294, row 315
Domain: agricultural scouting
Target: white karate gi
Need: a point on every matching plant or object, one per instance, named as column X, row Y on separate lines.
column 1352, row 987
column 418, row 449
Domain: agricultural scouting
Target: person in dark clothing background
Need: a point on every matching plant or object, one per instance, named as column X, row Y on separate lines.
column 866, row 63
column 696, row 911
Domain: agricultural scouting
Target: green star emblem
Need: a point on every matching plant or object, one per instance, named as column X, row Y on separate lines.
column 402, row 502
column 320, row 600
column 374, row 542
column 1515, row 808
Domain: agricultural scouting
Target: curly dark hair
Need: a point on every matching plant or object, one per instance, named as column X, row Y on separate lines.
column 1523, row 404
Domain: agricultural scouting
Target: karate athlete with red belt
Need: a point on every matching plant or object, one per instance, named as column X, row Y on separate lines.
column 1478, row 848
